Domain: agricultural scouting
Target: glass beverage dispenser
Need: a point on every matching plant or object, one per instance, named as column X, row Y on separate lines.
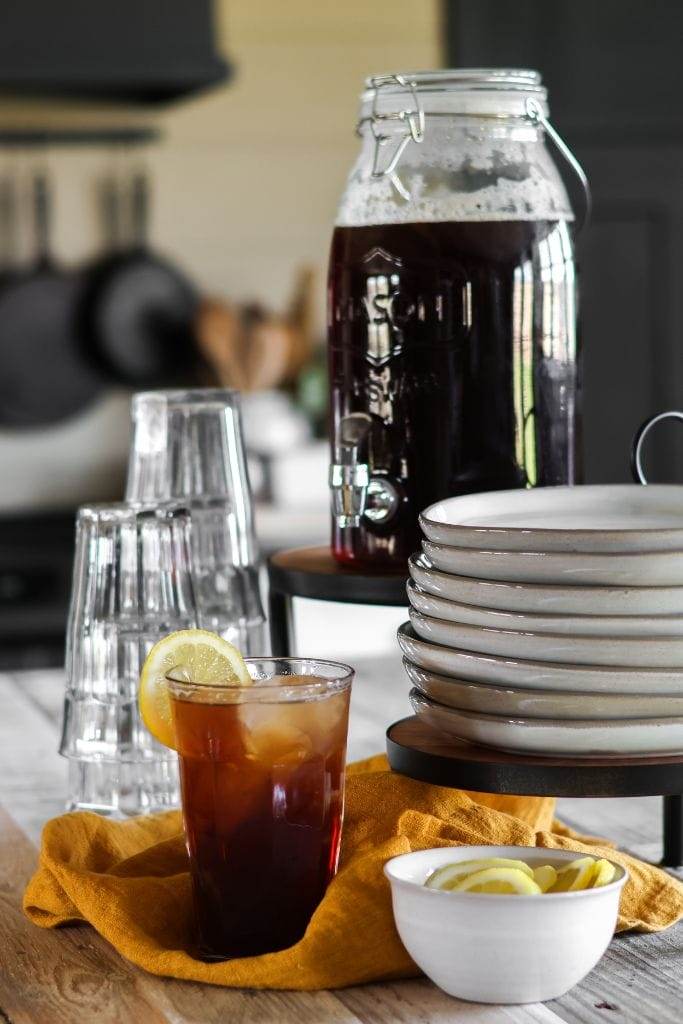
column 453, row 360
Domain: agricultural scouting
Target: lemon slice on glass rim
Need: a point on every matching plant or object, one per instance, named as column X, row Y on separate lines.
column 198, row 656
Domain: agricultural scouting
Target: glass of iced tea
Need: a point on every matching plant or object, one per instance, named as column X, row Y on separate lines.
column 262, row 777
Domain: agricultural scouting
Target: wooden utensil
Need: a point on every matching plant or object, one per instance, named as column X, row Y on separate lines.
column 251, row 349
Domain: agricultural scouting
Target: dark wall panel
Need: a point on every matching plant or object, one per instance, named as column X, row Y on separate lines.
column 613, row 70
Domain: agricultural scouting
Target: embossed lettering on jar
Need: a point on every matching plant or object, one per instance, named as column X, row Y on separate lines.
column 452, row 308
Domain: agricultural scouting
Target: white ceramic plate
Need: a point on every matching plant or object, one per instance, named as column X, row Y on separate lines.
column 564, row 625
column 657, row 568
column 535, row 675
column 632, row 737
column 548, row 599
column 619, row 651
column 603, row 518
column 489, row 699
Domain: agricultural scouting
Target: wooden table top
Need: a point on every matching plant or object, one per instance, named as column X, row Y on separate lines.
column 72, row 976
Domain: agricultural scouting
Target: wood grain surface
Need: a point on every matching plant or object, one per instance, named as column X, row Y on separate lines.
column 72, row 976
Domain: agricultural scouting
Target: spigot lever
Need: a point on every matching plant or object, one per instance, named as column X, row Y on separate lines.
column 349, row 478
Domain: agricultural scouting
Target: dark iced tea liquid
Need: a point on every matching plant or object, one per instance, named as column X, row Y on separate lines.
column 458, row 340
column 262, row 794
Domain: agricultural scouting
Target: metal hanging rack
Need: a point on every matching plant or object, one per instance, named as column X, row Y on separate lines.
column 54, row 137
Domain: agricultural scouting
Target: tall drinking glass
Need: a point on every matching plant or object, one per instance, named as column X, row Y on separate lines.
column 262, row 775
column 131, row 586
column 187, row 446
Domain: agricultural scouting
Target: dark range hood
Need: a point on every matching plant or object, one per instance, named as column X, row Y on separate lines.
column 133, row 51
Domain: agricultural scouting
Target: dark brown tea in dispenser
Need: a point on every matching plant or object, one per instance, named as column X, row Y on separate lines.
column 452, row 337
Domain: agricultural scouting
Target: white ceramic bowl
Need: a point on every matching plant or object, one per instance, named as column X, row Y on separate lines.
column 589, row 519
column 652, row 569
column 631, row 651
column 550, row 737
column 565, row 625
column 492, row 948
column 489, row 699
column 535, row 675
column 547, row 598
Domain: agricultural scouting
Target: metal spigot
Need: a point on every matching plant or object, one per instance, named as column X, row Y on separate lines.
column 349, row 477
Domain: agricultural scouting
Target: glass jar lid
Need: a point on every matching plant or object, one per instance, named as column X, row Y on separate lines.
column 502, row 92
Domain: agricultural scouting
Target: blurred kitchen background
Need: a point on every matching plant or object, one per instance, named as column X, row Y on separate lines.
column 169, row 172
column 232, row 123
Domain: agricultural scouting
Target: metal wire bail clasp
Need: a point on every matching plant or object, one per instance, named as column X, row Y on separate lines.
column 413, row 121
column 534, row 112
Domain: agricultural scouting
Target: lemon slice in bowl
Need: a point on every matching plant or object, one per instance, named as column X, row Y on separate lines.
column 605, row 872
column 447, row 877
column 499, row 880
column 545, row 877
column 576, row 875
column 199, row 657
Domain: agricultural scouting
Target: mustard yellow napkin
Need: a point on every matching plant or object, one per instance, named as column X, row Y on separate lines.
column 129, row 880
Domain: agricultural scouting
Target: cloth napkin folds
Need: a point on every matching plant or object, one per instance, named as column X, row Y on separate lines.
column 130, row 881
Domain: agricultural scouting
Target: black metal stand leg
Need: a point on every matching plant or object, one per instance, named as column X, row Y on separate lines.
column 280, row 614
column 673, row 832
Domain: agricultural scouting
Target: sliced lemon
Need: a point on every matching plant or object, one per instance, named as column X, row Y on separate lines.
column 545, row 877
column 447, row 876
column 604, row 874
column 199, row 657
column 576, row 875
column 499, row 880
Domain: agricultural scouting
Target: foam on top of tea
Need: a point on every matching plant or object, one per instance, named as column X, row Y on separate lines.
column 473, row 179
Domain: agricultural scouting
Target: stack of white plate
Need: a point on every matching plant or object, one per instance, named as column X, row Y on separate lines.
column 550, row 621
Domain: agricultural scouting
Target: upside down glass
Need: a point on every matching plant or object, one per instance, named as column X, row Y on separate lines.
column 187, row 447
column 131, row 586
column 262, row 780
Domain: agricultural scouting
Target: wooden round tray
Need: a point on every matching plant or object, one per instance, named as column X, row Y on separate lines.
column 421, row 752
column 313, row 572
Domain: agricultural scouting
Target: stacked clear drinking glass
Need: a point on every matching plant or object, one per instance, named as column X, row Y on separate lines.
column 187, row 447
column 180, row 552
column 131, row 586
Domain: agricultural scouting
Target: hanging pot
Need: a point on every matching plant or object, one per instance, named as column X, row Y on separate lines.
column 43, row 376
column 137, row 311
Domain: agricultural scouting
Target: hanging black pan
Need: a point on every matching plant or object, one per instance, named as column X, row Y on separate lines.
column 138, row 311
column 43, row 377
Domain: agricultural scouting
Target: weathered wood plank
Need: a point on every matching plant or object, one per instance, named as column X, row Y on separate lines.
column 45, row 687
column 32, row 784
column 56, row 977
column 189, row 1003
column 73, row 975
column 379, row 696
column 635, row 823
column 638, row 981
column 420, row 1002
column 640, row 976
column 32, row 774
